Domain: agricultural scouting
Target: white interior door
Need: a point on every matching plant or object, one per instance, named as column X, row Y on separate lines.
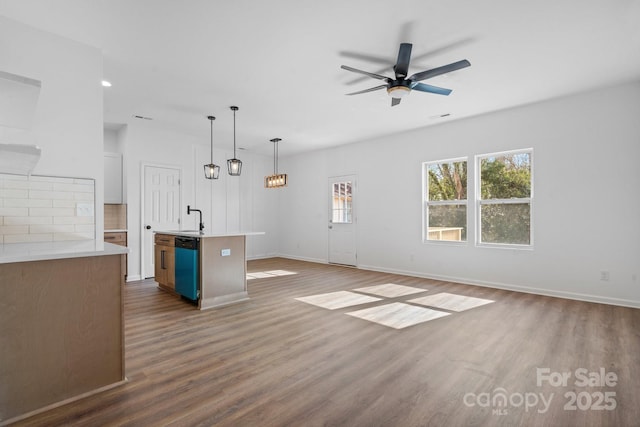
column 161, row 209
column 342, row 220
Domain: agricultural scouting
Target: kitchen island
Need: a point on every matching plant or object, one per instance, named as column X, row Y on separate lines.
column 61, row 323
column 220, row 267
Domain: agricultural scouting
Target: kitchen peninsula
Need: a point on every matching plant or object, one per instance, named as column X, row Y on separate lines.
column 61, row 323
column 214, row 268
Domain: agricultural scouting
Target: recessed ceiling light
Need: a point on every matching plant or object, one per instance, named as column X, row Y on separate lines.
column 106, row 83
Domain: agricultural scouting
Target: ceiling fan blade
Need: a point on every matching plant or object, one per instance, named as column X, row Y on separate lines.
column 395, row 101
column 371, row 89
column 366, row 57
column 440, row 49
column 423, row 87
column 440, row 70
column 405, row 35
column 404, row 56
column 366, row 73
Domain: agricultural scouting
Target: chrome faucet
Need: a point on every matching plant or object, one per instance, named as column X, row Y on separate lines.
column 189, row 210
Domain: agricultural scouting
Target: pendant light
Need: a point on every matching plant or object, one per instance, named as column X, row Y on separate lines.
column 234, row 165
column 276, row 180
column 211, row 171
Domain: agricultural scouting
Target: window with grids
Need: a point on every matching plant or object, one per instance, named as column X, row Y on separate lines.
column 342, row 205
column 504, row 198
column 445, row 200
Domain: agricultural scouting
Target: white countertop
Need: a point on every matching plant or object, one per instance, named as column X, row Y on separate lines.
column 23, row 252
column 205, row 234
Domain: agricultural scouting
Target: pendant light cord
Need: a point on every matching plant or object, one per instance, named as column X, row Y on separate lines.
column 275, row 154
column 211, row 120
column 234, row 109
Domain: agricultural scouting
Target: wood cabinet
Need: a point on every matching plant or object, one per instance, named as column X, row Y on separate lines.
column 118, row 238
column 164, row 261
column 61, row 329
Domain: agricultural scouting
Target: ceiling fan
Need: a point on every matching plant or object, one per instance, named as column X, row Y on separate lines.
column 401, row 85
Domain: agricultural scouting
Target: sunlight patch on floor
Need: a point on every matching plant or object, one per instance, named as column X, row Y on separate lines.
column 398, row 315
column 335, row 300
column 390, row 290
column 451, row 302
column 270, row 273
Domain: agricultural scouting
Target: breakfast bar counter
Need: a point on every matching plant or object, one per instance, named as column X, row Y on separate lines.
column 219, row 266
column 61, row 323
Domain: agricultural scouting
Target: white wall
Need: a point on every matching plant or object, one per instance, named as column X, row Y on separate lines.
column 586, row 151
column 68, row 120
column 111, row 143
column 228, row 204
column 586, row 208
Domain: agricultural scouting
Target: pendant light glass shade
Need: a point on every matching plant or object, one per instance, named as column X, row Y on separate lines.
column 211, row 171
column 276, row 180
column 234, row 166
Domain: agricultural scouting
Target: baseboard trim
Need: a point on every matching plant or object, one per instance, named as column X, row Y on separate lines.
column 264, row 256
column 300, row 258
column 62, row 403
column 511, row 287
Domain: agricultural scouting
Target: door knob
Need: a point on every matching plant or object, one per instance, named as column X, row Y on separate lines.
column 330, row 227
column 148, row 227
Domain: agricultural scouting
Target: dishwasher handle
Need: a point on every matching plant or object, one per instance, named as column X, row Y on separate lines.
column 191, row 243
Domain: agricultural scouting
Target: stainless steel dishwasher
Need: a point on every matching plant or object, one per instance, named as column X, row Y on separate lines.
column 187, row 252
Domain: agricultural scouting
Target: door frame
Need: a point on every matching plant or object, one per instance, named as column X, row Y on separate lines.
column 353, row 177
column 143, row 248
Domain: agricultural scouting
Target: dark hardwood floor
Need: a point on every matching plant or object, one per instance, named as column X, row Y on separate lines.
column 276, row 361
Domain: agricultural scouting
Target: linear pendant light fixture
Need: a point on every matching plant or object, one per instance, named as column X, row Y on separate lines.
column 276, row 180
column 234, row 165
column 211, row 171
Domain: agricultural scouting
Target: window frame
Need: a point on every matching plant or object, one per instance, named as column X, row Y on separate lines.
column 345, row 213
column 426, row 202
column 524, row 200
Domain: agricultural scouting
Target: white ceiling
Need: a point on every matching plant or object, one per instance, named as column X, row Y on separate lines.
column 279, row 61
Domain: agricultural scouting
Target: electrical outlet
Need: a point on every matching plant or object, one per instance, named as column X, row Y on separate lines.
column 604, row 275
column 84, row 209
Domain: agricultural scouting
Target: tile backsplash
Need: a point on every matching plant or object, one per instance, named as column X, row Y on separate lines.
column 46, row 209
column 115, row 217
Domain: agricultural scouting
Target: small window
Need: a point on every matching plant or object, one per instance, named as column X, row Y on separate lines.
column 504, row 198
column 342, row 210
column 445, row 200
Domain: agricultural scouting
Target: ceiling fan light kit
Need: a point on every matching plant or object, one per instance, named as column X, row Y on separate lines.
column 402, row 85
column 398, row 91
column 211, row 171
column 277, row 180
column 234, row 166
